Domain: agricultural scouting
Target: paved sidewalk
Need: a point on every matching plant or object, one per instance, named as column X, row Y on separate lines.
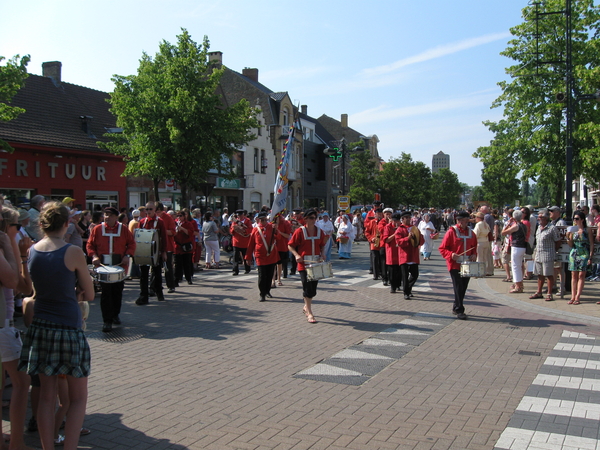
column 213, row 368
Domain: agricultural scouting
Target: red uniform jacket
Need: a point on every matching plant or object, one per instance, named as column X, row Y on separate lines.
column 305, row 246
column 452, row 243
column 392, row 252
column 99, row 241
column 181, row 238
column 157, row 224
column 169, row 226
column 371, row 227
column 258, row 246
column 408, row 253
column 285, row 227
column 241, row 239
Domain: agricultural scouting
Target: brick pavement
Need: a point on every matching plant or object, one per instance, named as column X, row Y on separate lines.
column 212, row 368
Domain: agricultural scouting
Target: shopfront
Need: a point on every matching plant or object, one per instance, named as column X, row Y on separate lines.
column 93, row 179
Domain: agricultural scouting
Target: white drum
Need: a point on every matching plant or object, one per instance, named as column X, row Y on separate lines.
column 318, row 271
column 110, row 274
column 146, row 249
column 472, row 269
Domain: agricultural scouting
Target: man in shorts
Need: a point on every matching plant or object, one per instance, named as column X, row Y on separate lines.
column 548, row 241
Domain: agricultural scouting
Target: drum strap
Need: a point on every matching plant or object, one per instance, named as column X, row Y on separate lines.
column 312, row 239
column 111, row 235
column 464, row 239
column 262, row 236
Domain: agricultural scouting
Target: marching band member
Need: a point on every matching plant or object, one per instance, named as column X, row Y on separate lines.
column 283, row 232
column 240, row 230
column 112, row 241
column 308, row 244
column 373, row 235
column 409, row 239
column 263, row 246
column 459, row 244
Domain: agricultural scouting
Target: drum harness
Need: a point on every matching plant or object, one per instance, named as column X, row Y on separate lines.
column 111, row 236
column 312, row 239
column 262, row 236
column 464, row 239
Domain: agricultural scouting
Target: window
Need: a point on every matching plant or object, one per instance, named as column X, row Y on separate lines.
column 259, row 129
column 256, row 161
column 286, row 121
column 263, row 162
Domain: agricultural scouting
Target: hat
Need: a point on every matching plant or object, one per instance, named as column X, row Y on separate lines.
column 554, row 208
column 396, row 216
column 240, row 211
column 378, row 210
column 390, row 210
column 405, row 213
column 136, row 213
column 297, row 211
column 74, row 212
column 261, row 215
column 325, row 213
column 463, row 215
column 111, row 210
column 23, row 215
column 68, row 200
column 480, row 215
column 377, row 203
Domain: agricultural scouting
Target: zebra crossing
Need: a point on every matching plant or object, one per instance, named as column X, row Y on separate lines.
column 561, row 408
column 358, row 363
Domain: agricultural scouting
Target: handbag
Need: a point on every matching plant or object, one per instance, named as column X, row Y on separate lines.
column 343, row 239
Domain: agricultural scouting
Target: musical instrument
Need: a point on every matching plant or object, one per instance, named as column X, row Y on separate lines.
column 472, row 269
column 111, row 260
column 318, row 271
column 414, row 236
column 241, row 228
column 377, row 241
column 146, row 250
column 110, row 274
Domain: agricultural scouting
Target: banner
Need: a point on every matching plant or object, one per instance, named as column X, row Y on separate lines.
column 281, row 182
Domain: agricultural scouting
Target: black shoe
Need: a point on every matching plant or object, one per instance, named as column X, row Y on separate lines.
column 284, row 276
column 262, row 298
column 292, row 273
column 370, row 272
column 32, row 425
column 141, row 301
column 170, row 290
column 151, row 293
column 461, row 316
column 269, row 296
column 247, row 271
column 236, row 272
column 406, row 297
column 385, row 283
column 190, row 282
column 117, row 321
column 107, row 327
column 392, row 291
column 411, row 295
column 160, row 297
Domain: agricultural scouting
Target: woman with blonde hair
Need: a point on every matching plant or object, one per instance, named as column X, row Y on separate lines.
column 55, row 343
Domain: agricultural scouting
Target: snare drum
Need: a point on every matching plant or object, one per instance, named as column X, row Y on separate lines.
column 318, row 271
column 146, row 249
column 110, row 274
column 472, row 269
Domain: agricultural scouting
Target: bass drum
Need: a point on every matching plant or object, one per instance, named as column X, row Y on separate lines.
column 146, row 247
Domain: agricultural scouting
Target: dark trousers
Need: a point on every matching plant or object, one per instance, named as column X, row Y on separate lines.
column 238, row 258
column 111, row 299
column 265, row 278
column 395, row 276
column 309, row 288
column 376, row 263
column 184, row 266
column 169, row 275
column 155, row 279
column 385, row 276
column 460, row 285
column 410, row 273
column 294, row 265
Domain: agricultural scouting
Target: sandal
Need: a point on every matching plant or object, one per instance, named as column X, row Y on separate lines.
column 549, row 298
column 311, row 318
column 507, row 280
column 516, row 290
column 279, row 283
column 570, row 302
column 536, row 295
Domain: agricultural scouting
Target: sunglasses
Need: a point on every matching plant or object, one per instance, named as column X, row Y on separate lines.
column 17, row 225
column 577, row 218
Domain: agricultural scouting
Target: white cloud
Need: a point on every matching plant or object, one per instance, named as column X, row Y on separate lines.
column 433, row 53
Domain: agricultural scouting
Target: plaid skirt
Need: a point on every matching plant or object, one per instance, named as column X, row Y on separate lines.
column 53, row 349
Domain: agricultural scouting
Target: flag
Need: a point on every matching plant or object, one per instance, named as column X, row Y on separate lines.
column 281, row 182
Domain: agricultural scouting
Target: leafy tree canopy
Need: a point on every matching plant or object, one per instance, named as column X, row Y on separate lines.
column 175, row 125
column 531, row 136
column 404, row 182
column 12, row 78
column 445, row 189
column 363, row 172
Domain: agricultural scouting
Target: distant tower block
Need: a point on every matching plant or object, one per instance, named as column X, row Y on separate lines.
column 440, row 161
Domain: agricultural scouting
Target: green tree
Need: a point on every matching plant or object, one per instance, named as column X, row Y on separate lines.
column 363, row 173
column 12, row 78
column 174, row 123
column 531, row 135
column 404, row 182
column 500, row 186
column 445, row 189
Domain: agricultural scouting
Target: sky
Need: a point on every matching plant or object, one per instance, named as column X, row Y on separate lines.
column 420, row 75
